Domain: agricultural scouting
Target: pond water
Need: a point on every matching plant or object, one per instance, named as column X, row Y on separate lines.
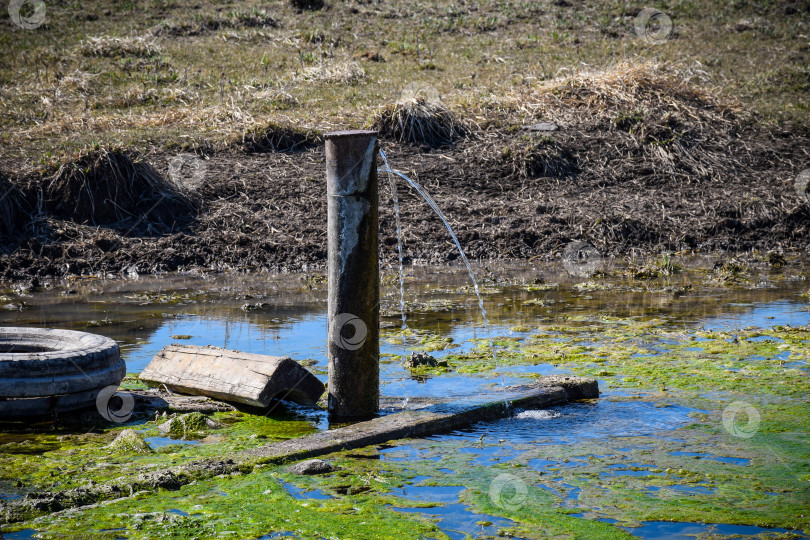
column 286, row 315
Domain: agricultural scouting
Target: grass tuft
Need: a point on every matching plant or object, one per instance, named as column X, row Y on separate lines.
column 533, row 157
column 654, row 115
column 110, row 188
column 619, row 94
column 420, row 121
column 274, row 137
column 343, row 72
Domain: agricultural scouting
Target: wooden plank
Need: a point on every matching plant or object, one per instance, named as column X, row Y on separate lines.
column 235, row 376
column 545, row 392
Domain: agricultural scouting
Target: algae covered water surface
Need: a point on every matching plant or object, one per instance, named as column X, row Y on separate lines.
column 701, row 429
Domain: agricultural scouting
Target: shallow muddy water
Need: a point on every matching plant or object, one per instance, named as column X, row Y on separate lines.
column 286, row 315
column 653, row 446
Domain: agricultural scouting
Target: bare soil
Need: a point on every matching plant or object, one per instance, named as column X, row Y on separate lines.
column 267, row 211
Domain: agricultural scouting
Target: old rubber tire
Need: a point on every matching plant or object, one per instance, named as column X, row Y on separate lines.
column 45, row 370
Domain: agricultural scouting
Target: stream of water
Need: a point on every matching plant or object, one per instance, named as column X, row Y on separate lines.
column 438, row 211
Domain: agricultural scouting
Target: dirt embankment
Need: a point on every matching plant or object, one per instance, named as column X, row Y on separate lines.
column 634, row 162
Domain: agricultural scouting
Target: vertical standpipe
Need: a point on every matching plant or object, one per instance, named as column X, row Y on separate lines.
column 354, row 274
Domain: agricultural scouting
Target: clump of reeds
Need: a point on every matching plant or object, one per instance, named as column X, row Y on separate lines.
column 420, row 121
column 108, row 187
column 275, row 137
column 14, row 210
column 649, row 118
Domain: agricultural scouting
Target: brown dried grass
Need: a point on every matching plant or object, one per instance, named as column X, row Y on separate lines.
column 334, row 72
column 654, row 116
column 419, row 120
column 275, row 137
column 108, row 187
column 605, row 92
column 112, row 46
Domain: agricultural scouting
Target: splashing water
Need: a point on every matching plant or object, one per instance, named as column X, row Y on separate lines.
column 428, row 199
column 536, row 415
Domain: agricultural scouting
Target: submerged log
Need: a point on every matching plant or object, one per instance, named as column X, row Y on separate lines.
column 252, row 379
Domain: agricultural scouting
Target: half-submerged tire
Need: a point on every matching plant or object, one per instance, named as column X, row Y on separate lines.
column 45, row 371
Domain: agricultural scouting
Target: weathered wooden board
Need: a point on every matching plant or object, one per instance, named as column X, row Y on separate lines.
column 544, row 392
column 252, row 379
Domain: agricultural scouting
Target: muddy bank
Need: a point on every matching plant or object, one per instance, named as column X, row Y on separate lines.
column 508, row 194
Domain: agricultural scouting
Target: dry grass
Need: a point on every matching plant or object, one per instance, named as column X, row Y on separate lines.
column 418, row 120
column 107, row 187
column 274, row 137
column 540, row 156
column 138, row 96
column 334, row 72
column 280, row 98
column 654, row 114
column 110, row 46
column 59, row 88
column 254, row 18
column 149, row 65
column 625, row 87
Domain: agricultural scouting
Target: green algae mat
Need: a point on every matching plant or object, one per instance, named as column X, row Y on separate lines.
column 701, row 431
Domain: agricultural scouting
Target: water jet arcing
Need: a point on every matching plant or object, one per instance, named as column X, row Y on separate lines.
column 432, row 203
